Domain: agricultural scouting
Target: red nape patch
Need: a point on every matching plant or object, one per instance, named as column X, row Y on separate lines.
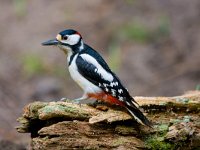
column 78, row 34
column 106, row 98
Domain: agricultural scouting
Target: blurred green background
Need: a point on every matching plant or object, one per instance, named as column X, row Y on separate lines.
column 153, row 46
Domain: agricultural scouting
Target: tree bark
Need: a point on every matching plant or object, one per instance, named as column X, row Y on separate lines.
column 65, row 125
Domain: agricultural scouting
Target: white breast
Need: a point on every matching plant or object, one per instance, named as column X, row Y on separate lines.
column 86, row 85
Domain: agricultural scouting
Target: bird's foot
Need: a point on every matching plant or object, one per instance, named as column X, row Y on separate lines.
column 80, row 100
column 84, row 101
column 76, row 101
column 64, row 99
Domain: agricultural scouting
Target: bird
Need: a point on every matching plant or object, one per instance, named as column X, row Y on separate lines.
column 91, row 72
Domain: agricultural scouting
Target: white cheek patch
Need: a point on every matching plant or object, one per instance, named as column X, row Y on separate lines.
column 72, row 39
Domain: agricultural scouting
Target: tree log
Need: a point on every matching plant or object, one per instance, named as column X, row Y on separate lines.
column 65, row 125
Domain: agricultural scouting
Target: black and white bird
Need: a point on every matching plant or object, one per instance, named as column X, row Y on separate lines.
column 93, row 75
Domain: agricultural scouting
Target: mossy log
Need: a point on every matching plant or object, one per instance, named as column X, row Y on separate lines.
column 65, row 125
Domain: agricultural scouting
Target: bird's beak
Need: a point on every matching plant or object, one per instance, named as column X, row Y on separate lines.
column 50, row 42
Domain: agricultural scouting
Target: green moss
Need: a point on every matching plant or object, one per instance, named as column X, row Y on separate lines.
column 163, row 128
column 158, row 143
column 186, row 118
column 54, row 111
column 33, row 109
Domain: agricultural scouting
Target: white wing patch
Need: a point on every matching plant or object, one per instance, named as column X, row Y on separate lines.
column 104, row 74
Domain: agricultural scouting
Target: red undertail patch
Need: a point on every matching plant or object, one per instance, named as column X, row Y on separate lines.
column 106, row 98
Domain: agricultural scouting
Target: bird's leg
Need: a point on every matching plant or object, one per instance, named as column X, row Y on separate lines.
column 78, row 100
column 81, row 100
column 85, row 99
column 64, row 99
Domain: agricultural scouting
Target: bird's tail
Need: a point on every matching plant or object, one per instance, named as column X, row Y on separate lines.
column 138, row 115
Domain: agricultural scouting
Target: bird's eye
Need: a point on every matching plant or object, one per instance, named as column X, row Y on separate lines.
column 65, row 37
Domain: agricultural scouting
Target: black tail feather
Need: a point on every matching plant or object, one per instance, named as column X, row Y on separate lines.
column 138, row 116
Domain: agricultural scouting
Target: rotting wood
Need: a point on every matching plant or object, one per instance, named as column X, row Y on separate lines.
column 62, row 125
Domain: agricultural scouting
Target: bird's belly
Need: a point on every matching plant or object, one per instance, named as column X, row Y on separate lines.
column 86, row 85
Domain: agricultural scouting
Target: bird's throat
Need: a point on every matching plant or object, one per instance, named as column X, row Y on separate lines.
column 64, row 50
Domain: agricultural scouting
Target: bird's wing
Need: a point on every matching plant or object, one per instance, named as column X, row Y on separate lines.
column 106, row 80
column 109, row 83
column 92, row 70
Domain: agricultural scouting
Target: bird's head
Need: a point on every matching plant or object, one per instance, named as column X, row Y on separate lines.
column 67, row 40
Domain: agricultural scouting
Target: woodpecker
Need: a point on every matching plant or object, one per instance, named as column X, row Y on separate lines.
column 90, row 71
